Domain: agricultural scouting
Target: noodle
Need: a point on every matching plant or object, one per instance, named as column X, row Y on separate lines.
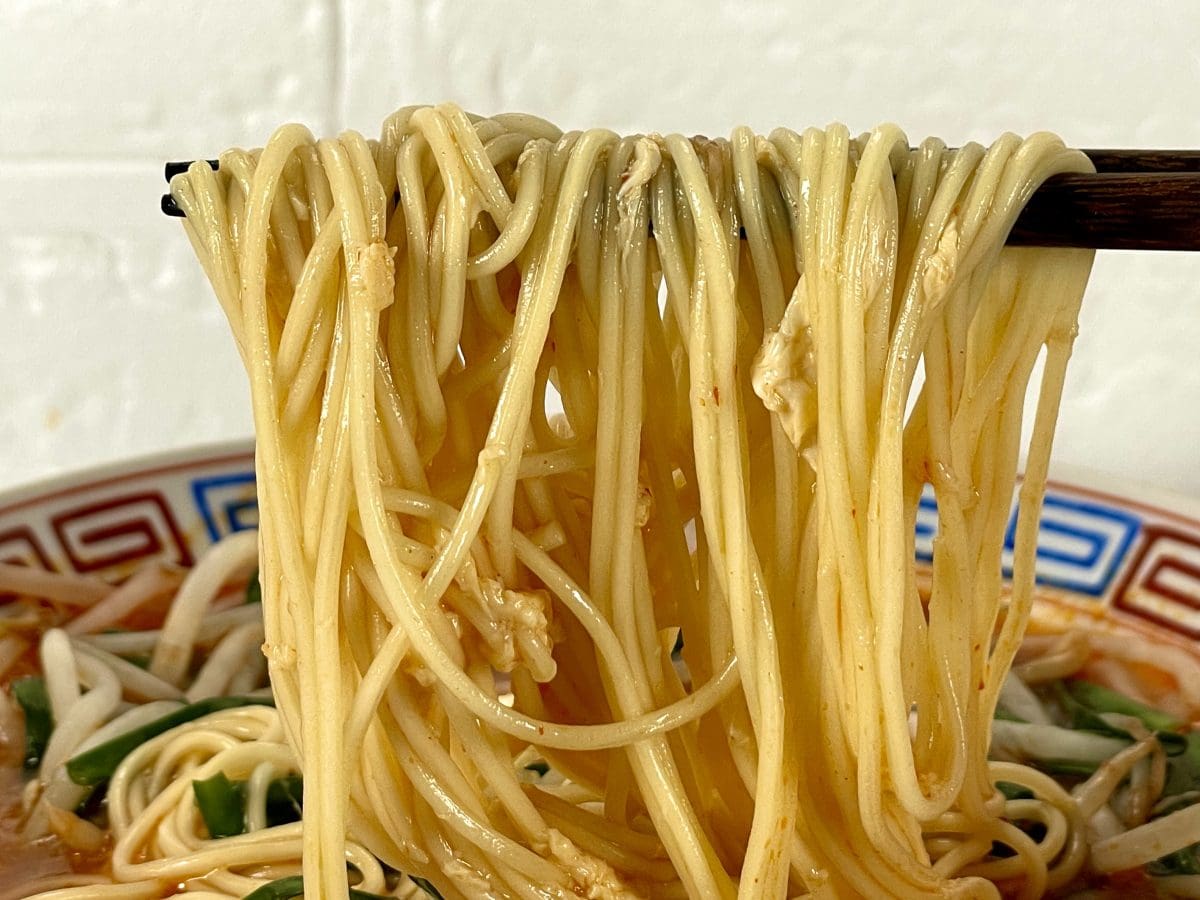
column 533, row 407
column 385, row 355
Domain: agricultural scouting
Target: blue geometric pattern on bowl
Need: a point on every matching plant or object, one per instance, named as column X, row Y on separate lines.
column 226, row 503
column 1081, row 542
column 1080, row 546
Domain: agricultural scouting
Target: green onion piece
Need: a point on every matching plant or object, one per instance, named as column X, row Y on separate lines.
column 1087, row 704
column 293, row 886
column 1013, row 791
column 39, row 718
column 1181, row 862
column 1080, row 767
column 282, row 889
column 254, row 589
column 97, row 764
column 222, row 804
column 1081, row 716
column 1102, row 700
column 285, row 800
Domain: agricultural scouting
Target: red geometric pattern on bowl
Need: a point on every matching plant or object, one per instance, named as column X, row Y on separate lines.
column 20, row 546
column 109, row 521
column 127, row 528
column 1163, row 582
column 1155, row 589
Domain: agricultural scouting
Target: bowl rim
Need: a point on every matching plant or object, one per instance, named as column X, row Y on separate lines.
column 1160, row 511
column 143, row 465
column 1113, row 488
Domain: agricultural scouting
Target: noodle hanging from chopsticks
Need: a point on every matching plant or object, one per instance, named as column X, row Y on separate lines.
column 530, row 405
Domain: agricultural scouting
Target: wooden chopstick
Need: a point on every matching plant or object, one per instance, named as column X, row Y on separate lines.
column 1126, row 160
column 1136, row 200
column 1113, row 211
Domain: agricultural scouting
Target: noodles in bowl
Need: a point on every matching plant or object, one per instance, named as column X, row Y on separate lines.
column 195, row 791
column 534, row 410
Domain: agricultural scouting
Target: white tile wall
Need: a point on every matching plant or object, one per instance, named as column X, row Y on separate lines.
column 111, row 345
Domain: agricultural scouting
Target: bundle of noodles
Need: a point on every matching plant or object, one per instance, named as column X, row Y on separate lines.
column 532, row 407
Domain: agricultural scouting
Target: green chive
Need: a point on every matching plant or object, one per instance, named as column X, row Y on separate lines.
column 98, row 764
column 1067, row 766
column 1102, row 700
column 1013, row 791
column 222, row 805
column 1181, row 862
column 293, row 886
column 39, row 718
column 1086, row 704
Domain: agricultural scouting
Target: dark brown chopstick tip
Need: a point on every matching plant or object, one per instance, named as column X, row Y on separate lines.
column 1130, row 160
column 171, row 208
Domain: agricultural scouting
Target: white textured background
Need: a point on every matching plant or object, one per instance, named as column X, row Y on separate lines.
column 111, row 345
